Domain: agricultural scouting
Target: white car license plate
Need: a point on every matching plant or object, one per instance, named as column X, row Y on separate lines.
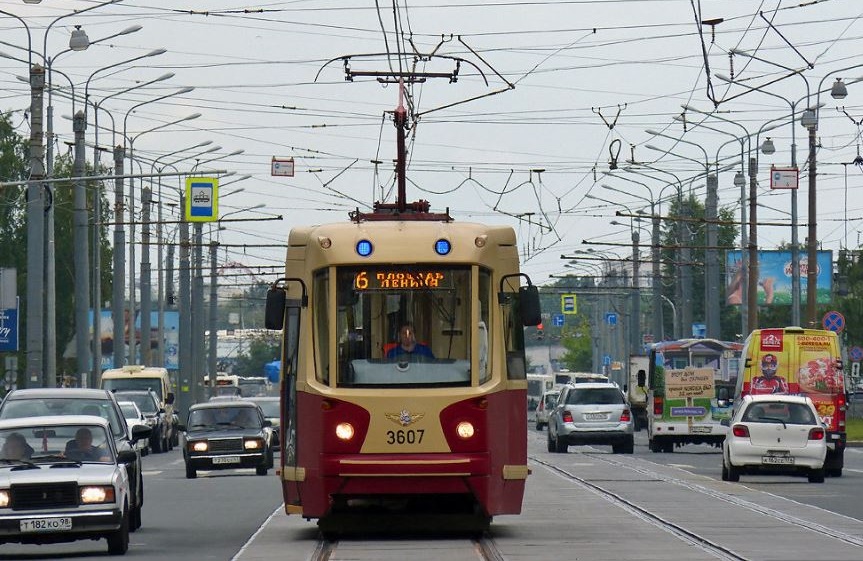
column 777, row 460
column 226, row 460
column 45, row 524
column 595, row 416
column 701, row 430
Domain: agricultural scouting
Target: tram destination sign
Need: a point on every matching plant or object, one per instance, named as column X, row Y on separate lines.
column 394, row 279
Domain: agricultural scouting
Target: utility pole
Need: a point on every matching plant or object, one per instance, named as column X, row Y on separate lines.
column 752, row 304
column 214, row 310
column 198, row 358
column 186, row 381
column 146, row 196
column 657, row 274
column 812, row 242
column 118, row 300
column 635, row 332
column 711, row 285
column 81, row 261
column 35, row 234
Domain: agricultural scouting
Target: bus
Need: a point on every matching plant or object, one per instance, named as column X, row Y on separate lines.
column 689, row 391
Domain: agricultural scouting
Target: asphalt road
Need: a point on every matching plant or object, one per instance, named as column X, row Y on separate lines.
column 210, row 517
column 215, row 515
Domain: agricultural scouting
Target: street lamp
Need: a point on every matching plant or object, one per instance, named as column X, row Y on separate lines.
column 37, row 307
column 146, row 195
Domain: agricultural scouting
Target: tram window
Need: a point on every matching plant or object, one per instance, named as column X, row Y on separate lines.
column 436, row 302
column 321, row 295
column 516, row 368
column 484, row 358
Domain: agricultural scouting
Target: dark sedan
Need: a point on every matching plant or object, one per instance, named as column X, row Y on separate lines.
column 227, row 435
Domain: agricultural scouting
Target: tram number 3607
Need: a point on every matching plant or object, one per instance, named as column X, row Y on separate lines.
column 405, row 436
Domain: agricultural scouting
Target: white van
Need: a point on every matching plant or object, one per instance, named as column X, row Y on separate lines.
column 139, row 377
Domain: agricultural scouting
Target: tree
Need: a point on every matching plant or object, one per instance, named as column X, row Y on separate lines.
column 262, row 349
column 13, row 210
column 694, row 213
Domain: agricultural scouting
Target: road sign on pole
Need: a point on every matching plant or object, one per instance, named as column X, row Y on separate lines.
column 202, row 199
column 568, row 304
column 833, row 321
column 557, row 320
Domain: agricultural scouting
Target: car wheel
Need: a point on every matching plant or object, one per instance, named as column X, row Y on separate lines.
column 668, row 447
column 134, row 518
column 118, row 540
column 539, row 425
column 191, row 472
column 262, row 470
column 653, row 445
column 559, row 446
column 724, row 471
column 816, row 475
column 628, row 446
column 834, row 472
column 733, row 473
column 549, row 442
column 156, row 445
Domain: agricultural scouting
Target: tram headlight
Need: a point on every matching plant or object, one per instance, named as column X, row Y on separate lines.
column 345, row 431
column 465, row 430
column 201, row 446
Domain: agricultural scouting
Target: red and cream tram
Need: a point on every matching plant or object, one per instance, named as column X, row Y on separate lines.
column 433, row 424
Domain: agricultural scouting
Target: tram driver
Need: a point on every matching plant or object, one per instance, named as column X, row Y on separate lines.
column 408, row 348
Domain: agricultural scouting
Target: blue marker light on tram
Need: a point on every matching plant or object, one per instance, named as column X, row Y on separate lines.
column 364, row 248
column 442, row 247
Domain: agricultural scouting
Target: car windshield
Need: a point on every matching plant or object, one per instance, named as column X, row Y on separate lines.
column 270, row 408
column 224, row 418
column 144, row 401
column 779, row 412
column 36, row 443
column 601, row 396
column 130, row 411
column 136, row 383
column 41, row 407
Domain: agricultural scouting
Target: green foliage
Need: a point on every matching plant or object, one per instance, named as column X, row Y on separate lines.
column 694, row 211
column 13, row 231
column 579, row 353
column 262, row 349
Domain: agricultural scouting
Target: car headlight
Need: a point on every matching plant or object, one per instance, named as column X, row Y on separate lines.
column 200, row 446
column 253, row 444
column 93, row 494
column 4, row 498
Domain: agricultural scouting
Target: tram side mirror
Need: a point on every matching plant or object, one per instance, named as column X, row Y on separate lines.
column 528, row 300
column 640, row 378
column 274, row 313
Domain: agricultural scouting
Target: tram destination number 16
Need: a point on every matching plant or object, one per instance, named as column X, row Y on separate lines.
column 405, row 436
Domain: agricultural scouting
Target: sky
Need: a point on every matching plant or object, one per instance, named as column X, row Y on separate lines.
column 535, row 103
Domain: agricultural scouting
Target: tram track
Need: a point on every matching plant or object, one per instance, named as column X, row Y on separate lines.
column 484, row 548
column 822, row 530
column 687, row 536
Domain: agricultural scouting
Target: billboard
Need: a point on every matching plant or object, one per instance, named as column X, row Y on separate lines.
column 774, row 277
column 172, row 337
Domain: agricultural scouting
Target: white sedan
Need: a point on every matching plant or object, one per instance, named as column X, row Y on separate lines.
column 774, row 434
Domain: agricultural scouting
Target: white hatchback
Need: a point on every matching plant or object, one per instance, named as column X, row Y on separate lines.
column 774, row 434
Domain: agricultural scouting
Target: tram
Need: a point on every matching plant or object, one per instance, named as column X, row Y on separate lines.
column 403, row 377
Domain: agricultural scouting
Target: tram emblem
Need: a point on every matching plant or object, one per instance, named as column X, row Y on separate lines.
column 404, row 418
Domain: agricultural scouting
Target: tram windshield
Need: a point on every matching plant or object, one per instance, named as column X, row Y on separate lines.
column 403, row 326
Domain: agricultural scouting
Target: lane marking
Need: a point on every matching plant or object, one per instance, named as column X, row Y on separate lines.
column 258, row 531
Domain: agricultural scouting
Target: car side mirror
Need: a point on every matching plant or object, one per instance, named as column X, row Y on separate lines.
column 268, row 423
column 140, row 432
column 725, row 422
column 127, row 456
column 161, row 410
column 181, row 428
column 170, row 399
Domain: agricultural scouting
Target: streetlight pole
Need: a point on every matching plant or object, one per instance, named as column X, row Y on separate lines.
column 133, row 355
column 36, row 303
